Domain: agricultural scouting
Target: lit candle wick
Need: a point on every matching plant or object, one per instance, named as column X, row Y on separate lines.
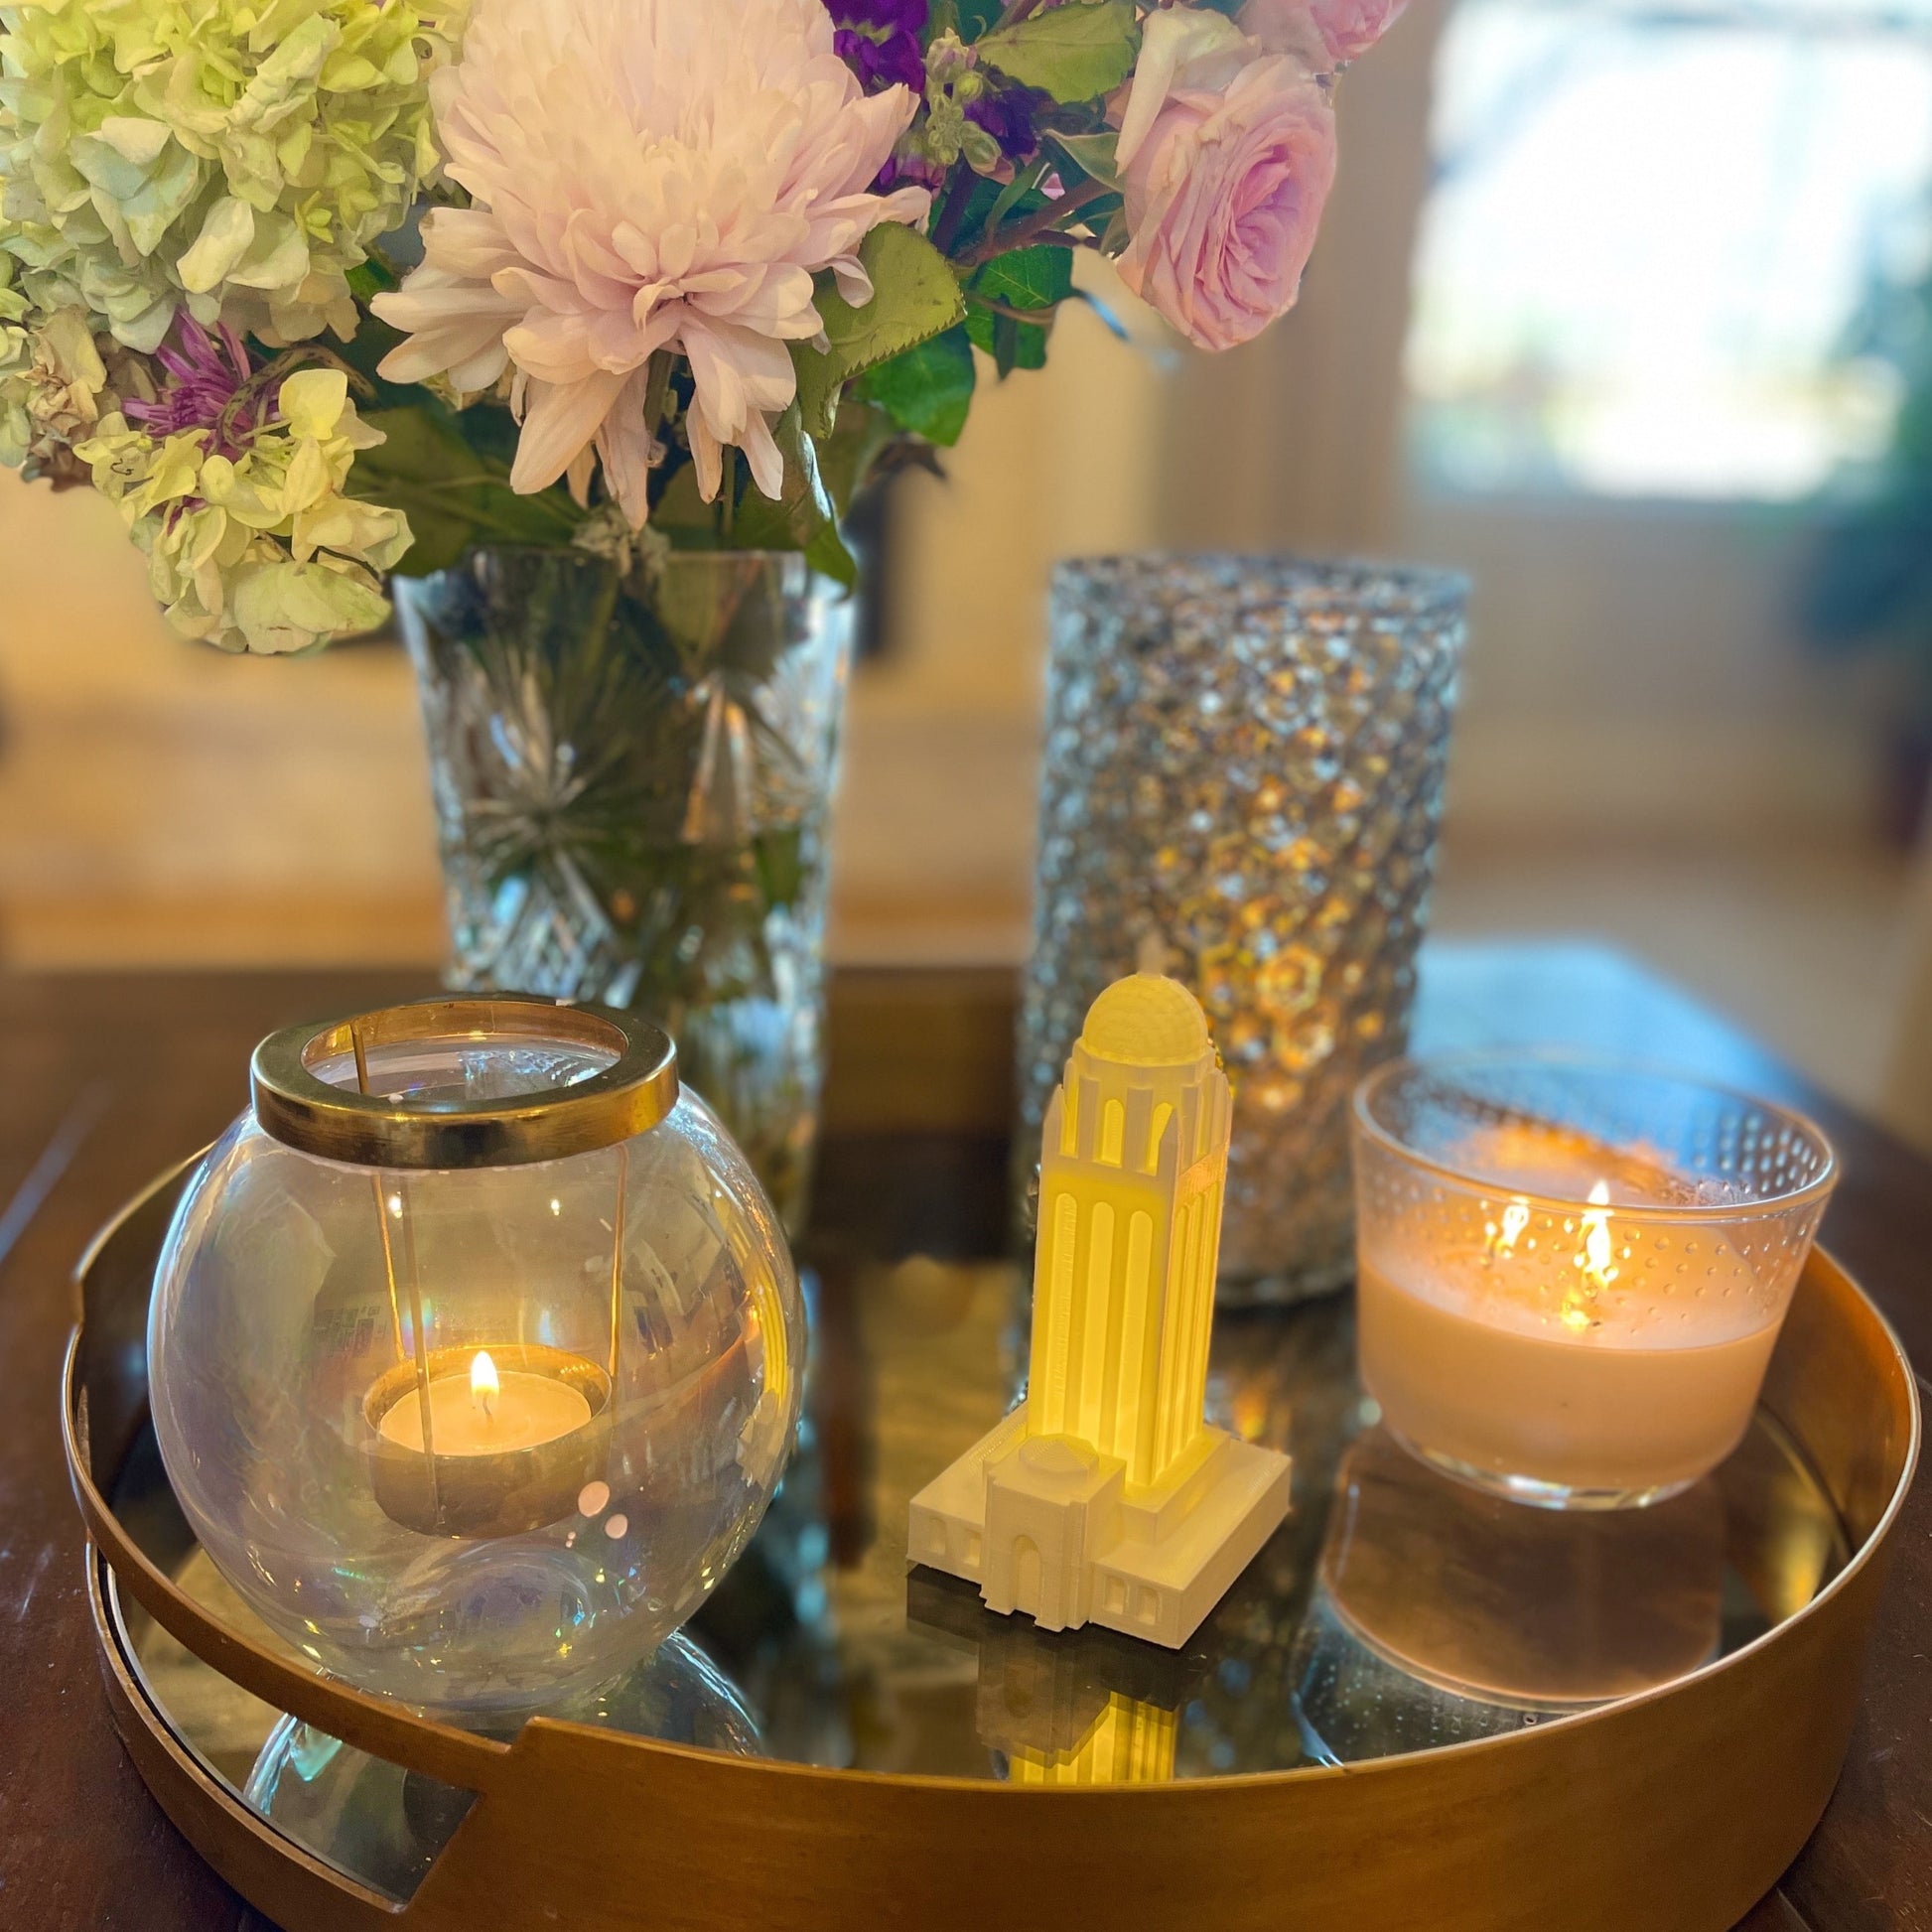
column 484, row 1384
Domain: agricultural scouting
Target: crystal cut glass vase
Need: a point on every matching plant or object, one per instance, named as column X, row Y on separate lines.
column 1242, row 785
column 632, row 771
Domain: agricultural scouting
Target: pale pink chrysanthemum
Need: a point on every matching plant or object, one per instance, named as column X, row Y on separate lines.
column 644, row 175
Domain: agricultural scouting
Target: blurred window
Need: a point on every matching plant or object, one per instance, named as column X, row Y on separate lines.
column 1649, row 232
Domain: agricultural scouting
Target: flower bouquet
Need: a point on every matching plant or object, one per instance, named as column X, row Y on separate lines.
column 587, row 321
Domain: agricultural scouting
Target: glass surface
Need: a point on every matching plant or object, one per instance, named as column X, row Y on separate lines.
column 384, row 1825
column 632, row 774
column 1396, row 1611
column 1649, row 237
column 472, row 1439
column 1572, row 1273
column 1241, row 789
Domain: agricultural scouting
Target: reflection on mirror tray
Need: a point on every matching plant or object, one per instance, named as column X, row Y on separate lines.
column 1394, row 1610
column 386, row 1826
column 1477, row 1594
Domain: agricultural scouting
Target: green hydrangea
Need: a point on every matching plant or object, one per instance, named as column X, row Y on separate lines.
column 259, row 550
column 15, row 353
column 58, row 379
column 237, row 157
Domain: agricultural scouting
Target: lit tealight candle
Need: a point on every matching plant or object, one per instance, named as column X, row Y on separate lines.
column 514, row 1438
column 486, row 1413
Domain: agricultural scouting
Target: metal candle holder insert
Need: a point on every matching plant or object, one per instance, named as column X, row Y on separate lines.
column 524, row 1427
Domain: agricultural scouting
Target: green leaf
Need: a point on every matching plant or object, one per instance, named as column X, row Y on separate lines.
column 780, row 860
column 1027, row 278
column 915, row 296
column 1024, row 186
column 453, row 496
column 926, row 390
column 847, row 456
column 802, row 517
column 683, row 515
column 820, row 381
column 827, row 554
column 1073, row 51
column 369, row 278
column 976, row 16
column 1012, row 344
column 1092, row 154
column 1039, row 278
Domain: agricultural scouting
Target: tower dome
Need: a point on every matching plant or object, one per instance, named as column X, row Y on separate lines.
column 1147, row 1020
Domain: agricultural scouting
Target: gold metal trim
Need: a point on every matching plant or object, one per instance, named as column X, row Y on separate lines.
column 372, row 1130
column 1677, row 1807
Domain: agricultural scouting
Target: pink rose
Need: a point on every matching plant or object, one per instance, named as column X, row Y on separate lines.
column 1324, row 33
column 1223, row 199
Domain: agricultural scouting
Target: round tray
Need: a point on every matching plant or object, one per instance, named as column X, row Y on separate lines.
column 1419, row 1706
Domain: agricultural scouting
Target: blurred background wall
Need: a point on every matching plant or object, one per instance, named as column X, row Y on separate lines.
column 1593, row 319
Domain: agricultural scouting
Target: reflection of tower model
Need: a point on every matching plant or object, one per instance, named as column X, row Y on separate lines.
column 1067, row 1707
column 1105, row 1496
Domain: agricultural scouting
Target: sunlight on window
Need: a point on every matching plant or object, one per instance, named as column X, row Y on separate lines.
column 1649, row 233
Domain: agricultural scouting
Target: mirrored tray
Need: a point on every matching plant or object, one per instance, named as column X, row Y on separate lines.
column 1439, row 1646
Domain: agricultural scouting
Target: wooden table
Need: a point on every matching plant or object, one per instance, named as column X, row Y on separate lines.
column 110, row 1079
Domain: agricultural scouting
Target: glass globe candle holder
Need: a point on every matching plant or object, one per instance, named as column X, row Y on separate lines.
column 475, row 1349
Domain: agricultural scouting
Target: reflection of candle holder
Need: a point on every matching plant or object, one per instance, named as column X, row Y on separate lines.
column 1572, row 1273
column 386, row 1827
column 481, row 1489
column 1538, row 1609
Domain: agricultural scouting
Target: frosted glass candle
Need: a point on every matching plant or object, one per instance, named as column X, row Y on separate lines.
column 1572, row 1273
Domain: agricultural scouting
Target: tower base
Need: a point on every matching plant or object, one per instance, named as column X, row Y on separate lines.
column 1046, row 1524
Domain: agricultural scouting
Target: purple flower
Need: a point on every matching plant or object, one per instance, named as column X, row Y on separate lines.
column 208, row 375
column 894, row 62
column 1007, row 115
column 879, row 40
column 909, row 170
column 892, row 16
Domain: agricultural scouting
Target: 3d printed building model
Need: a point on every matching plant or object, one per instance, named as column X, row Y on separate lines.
column 1105, row 1496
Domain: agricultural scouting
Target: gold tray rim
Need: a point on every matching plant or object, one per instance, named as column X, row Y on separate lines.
column 508, row 1776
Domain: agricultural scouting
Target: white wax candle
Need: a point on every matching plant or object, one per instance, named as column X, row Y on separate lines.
column 525, row 1411
column 1604, row 1350
column 1585, row 1409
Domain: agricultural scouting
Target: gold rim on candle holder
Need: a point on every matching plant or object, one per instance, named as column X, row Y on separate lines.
column 300, row 1108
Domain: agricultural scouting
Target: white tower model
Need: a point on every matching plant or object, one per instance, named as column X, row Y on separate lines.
column 1105, row 1496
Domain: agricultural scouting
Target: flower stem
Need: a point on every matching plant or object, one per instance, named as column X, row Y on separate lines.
column 1037, row 226
column 953, row 210
column 1040, row 317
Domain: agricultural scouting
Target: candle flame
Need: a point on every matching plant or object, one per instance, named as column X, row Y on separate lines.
column 1503, row 1240
column 1594, row 1259
column 483, row 1380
